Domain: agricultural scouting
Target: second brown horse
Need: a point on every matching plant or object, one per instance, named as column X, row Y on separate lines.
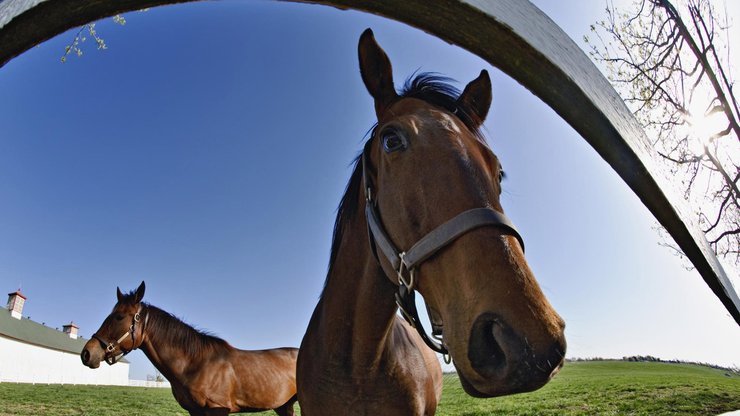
column 208, row 376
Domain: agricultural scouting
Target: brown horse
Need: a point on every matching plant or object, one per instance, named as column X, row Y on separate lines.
column 428, row 183
column 208, row 376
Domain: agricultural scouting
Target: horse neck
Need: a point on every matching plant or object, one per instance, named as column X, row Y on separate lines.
column 358, row 294
column 171, row 359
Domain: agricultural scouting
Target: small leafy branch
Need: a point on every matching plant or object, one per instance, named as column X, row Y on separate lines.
column 75, row 48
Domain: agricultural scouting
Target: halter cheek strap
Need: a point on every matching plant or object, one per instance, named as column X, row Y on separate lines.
column 406, row 263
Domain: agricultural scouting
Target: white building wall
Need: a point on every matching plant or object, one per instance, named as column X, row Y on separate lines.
column 26, row 363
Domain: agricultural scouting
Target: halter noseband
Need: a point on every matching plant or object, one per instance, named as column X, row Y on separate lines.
column 408, row 262
column 112, row 345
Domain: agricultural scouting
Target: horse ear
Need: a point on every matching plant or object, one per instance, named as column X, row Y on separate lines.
column 140, row 292
column 475, row 99
column 376, row 71
column 119, row 295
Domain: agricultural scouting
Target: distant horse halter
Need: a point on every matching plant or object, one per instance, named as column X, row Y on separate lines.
column 408, row 261
column 209, row 377
column 111, row 346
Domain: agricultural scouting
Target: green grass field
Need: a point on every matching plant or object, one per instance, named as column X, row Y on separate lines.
column 582, row 388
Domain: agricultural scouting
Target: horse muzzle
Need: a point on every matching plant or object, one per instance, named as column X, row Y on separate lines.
column 501, row 361
column 92, row 354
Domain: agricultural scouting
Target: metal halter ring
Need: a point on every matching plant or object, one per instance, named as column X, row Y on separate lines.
column 412, row 273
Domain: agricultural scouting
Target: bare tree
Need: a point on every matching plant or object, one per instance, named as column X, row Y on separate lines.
column 672, row 67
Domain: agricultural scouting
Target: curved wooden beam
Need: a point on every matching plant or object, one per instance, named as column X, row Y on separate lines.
column 512, row 35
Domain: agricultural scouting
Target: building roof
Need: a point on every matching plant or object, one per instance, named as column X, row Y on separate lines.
column 17, row 293
column 30, row 332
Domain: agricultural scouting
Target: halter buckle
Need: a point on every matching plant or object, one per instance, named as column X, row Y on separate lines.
column 412, row 273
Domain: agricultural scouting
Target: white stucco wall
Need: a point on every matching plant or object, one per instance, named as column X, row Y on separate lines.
column 25, row 363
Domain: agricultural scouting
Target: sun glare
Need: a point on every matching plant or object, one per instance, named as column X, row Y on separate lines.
column 703, row 125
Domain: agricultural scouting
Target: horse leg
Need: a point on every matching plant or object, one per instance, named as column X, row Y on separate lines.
column 287, row 408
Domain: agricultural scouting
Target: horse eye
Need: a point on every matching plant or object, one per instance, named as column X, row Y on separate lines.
column 393, row 141
column 119, row 317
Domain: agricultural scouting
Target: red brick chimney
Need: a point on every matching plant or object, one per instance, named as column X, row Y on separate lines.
column 15, row 304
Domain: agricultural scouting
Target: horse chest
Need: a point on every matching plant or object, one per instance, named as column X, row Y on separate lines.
column 184, row 397
column 340, row 394
column 198, row 398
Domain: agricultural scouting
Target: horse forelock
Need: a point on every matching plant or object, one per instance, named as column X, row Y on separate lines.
column 438, row 90
column 129, row 298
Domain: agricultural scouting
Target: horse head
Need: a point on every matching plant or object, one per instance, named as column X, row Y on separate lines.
column 425, row 165
column 120, row 333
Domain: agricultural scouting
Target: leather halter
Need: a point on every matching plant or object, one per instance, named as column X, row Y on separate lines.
column 408, row 262
column 111, row 346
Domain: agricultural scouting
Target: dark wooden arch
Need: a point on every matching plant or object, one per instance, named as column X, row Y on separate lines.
column 512, row 35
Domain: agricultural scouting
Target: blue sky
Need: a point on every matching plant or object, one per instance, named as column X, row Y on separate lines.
column 206, row 150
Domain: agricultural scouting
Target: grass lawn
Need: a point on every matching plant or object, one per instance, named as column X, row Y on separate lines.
column 611, row 388
column 582, row 388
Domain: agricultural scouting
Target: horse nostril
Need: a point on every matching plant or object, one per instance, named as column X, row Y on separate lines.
column 85, row 356
column 485, row 351
column 497, row 352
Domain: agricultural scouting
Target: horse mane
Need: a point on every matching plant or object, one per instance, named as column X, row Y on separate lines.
column 172, row 330
column 346, row 210
column 430, row 87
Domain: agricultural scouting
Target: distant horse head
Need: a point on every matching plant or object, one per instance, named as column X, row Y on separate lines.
column 433, row 190
column 121, row 332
